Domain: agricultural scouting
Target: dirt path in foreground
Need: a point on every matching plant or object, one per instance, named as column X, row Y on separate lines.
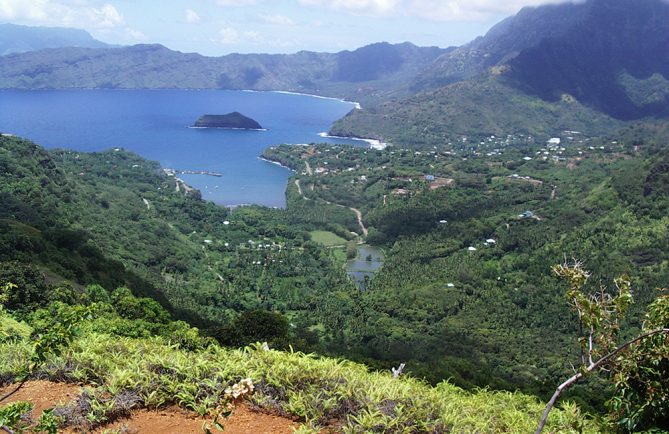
column 177, row 421
column 173, row 420
column 42, row 394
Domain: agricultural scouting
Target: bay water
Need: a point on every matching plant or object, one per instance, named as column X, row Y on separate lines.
column 155, row 124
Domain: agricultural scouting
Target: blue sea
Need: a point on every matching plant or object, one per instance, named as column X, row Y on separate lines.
column 155, row 124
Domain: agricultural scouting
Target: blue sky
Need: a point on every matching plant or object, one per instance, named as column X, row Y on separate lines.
column 218, row 27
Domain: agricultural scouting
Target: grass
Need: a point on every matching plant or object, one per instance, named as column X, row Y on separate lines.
column 339, row 255
column 151, row 373
column 327, row 239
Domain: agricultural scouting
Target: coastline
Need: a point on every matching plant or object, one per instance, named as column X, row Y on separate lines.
column 356, row 104
column 180, row 137
column 227, row 128
column 373, row 143
column 276, row 163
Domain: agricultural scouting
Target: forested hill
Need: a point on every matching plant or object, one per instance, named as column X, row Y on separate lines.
column 577, row 66
column 358, row 74
column 116, row 219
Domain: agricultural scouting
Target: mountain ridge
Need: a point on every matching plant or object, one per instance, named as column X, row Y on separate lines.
column 592, row 67
column 347, row 74
column 19, row 39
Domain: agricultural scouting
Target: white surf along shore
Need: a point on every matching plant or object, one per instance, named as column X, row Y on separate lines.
column 373, row 143
column 286, row 92
column 276, row 163
column 356, row 105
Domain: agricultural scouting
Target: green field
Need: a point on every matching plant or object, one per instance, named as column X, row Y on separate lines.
column 327, row 238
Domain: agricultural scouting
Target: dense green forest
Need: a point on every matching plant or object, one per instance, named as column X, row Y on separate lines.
column 502, row 169
column 115, row 219
column 466, row 291
column 470, row 234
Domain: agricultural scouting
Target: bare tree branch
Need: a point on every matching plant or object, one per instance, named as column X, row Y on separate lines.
column 16, row 389
column 591, row 367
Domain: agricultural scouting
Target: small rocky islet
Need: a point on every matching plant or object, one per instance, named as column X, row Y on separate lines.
column 234, row 120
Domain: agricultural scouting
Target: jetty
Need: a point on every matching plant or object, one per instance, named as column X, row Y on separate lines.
column 173, row 172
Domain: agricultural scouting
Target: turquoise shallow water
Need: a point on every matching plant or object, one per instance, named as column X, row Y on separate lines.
column 154, row 124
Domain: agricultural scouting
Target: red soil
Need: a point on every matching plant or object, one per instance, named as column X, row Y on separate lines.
column 174, row 420
column 44, row 394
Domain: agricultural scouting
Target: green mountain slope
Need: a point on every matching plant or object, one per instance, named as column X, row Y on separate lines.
column 614, row 38
column 471, row 109
column 125, row 375
column 116, row 219
column 448, row 302
column 501, row 43
column 586, row 66
column 492, row 316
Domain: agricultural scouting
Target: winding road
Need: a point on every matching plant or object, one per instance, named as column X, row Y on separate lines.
column 357, row 212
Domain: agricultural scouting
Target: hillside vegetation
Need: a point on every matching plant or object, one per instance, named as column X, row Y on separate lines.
column 470, row 111
column 108, row 262
column 125, row 374
column 115, row 219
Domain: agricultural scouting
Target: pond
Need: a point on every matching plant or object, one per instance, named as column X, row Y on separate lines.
column 362, row 269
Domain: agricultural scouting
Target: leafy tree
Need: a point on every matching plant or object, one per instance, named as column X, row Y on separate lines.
column 54, row 331
column 28, row 290
column 255, row 326
column 642, row 389
column 97, row 294
column 641, row 376
column 131, row 307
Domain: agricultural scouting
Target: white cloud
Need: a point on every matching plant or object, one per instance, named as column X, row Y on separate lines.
column 231, row 36
column 357, row 6
column 468, row 10
column 434, row 10
column 61, row 13
column 17, row 9
column 278, row 19
column 107, row 17
column 437, row 10
column 136, row 35
column 192, row 17
column 228, row 35
column 236, row 2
